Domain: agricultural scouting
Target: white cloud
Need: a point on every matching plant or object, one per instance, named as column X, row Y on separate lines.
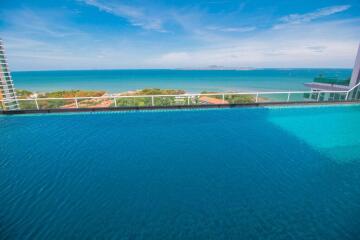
column 317, row 48
column 232, row 29
column 46, row 24
column 288, row 48
column 135, row 16
column 176, row 57
column 294, row 19
column 239, row 29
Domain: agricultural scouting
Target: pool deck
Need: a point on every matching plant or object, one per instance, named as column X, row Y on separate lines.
column 203, row 106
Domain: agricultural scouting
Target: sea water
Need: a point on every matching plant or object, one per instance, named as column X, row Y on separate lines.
column 194, row 81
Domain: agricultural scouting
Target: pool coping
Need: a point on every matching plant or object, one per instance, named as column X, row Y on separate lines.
column 110, row 109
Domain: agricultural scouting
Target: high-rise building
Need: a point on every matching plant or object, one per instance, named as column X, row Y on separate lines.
column 334, row 84
column 7, row 90
column 355, row 78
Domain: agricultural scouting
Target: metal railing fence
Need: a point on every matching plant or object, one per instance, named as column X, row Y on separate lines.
column 110, row 101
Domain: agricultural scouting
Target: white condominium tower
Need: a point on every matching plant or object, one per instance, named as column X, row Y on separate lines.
column 355, row 78
column 7, row 90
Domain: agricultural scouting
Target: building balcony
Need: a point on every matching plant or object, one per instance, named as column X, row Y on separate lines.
column 329, row 84
column 11, row 85
column 332, row 80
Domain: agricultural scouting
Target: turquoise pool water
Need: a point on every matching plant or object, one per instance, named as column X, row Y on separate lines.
column 252, row 173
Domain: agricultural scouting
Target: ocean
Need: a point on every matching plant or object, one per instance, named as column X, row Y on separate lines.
column 192, row 81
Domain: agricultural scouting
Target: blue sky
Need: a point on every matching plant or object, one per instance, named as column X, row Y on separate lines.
column 109, row 34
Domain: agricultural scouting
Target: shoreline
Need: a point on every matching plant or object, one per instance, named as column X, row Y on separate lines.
column 139, row 98
column 187, row 91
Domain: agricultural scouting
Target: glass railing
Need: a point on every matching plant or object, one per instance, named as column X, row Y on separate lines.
column 208, row 99
column 213, row 99
column 354, row 93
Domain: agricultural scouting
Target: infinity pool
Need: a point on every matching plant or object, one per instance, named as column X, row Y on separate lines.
column 245, row 173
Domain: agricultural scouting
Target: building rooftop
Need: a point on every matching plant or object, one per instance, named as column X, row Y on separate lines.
column 327, row 86
column 332, row 80
column 335, row 84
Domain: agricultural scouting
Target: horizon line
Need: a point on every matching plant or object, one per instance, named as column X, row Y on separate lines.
column 188, row 69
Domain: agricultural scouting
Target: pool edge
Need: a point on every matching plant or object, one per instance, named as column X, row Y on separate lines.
column 207, row 106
